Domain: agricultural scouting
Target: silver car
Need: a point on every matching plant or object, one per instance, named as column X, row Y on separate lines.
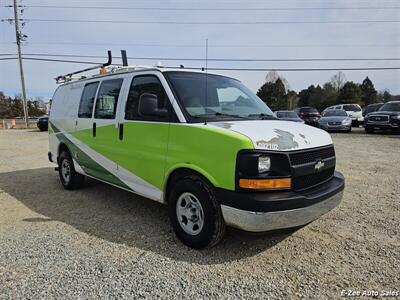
column 335, row 120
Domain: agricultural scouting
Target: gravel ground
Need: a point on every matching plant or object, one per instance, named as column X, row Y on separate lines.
column 104, row 242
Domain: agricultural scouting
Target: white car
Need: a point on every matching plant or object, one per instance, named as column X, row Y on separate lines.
column 354, row 111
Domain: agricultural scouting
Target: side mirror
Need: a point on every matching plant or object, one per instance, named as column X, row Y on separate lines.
column 148, row 106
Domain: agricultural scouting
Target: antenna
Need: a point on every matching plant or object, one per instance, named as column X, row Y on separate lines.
column 206, row 96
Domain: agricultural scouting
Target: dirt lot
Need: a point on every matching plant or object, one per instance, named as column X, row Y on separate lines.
column 103, row 242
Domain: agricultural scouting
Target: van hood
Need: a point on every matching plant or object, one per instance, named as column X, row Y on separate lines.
column 278, row 135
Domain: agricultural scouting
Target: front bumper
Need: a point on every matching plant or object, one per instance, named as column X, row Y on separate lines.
column 258, row 212
column 335, row 127
column 395, row 127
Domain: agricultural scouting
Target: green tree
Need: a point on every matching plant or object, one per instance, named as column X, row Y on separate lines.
column 369, row 93
column 319, row 97
column 385, row 96
column 350, row 93
column 292, row 99
column 330, row 95
column 305, row 95
column 273, row 94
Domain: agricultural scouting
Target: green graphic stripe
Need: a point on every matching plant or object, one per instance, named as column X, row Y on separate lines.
column 89, row 166
column 152, row 151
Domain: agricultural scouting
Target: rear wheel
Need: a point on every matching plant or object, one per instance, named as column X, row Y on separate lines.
column 69, row 178
column 195, row 214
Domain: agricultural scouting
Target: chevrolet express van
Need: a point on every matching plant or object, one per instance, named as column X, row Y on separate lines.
column 203, row 144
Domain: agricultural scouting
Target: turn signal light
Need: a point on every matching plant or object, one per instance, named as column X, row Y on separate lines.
column 102, row 71
column 282, row 183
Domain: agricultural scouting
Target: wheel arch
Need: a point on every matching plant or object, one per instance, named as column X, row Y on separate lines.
column 62, row 147
column 181, row 171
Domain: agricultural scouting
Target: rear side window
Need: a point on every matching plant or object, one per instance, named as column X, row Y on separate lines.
column 140, row 85
column 107, row 99
column 87, row 99
column 351, row 107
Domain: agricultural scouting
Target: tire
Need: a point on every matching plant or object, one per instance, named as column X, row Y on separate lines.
column 69, row 178
column 349, row 131
column 194, row 196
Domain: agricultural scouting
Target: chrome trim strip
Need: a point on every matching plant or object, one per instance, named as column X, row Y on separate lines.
column 265, row 221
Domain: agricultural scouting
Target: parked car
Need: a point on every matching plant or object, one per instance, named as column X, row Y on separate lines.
column 309, row 115
column 387, row 118
column 371, row 108
column 42, row 123
column 215, row 161
column 288, row 115
column 335, row 120
column 354, row 111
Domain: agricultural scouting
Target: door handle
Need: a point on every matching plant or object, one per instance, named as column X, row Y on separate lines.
column 94, row 129
column 121, row 131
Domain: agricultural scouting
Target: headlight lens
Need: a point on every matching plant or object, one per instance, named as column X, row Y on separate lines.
column 396, row 117
column 264, row 164
column 346, row 121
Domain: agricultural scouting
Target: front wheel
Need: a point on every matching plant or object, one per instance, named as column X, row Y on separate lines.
column 195, row 214
column 69, row 178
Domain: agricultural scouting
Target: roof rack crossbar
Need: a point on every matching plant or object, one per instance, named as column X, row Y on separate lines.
column 68, row 77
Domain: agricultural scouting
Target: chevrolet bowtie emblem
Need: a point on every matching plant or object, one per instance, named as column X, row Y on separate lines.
column 319, row 165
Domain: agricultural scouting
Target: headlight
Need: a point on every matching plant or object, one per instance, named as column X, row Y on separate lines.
column 396, row 117
column 264, row 164
column 346, row 121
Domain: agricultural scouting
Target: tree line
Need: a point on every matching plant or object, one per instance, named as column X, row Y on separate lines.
column 276, row 93
column 12, row 107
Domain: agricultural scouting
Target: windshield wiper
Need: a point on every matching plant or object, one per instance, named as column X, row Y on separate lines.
column 215, row 114
column 263, row 116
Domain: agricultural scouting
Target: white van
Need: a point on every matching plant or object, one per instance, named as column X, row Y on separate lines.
column 203, row 144
column 354, row 111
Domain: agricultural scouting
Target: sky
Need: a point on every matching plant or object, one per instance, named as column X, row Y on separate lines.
column 243, row 41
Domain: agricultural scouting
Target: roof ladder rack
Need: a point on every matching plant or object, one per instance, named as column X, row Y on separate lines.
column 68, row 77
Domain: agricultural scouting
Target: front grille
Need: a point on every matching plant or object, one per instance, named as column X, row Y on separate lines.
column 306, row 181
column 334, row 123
column 311, row 156
column 378, row 118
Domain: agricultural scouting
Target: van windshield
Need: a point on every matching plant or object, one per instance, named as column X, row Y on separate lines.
column 226, row 98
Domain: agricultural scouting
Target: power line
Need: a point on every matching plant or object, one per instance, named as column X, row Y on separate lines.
column 53, row 60
column 207, row 22
column 211, row 46
column 215, row 59
column 228, row 69
column 219, row 1
column 207, row 8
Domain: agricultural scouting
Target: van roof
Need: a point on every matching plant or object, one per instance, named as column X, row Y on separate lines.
column 134, row 69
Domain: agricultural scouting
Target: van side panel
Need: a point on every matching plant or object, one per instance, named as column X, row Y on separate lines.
column 140, row 155
column 63, row 114
column 209, row 151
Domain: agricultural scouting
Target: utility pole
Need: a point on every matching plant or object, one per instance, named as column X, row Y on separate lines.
column 18, row 36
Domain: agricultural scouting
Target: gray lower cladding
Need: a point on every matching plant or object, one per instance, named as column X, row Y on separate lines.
column 266, row 221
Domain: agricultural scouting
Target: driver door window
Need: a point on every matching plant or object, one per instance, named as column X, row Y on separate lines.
column 141, row 85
